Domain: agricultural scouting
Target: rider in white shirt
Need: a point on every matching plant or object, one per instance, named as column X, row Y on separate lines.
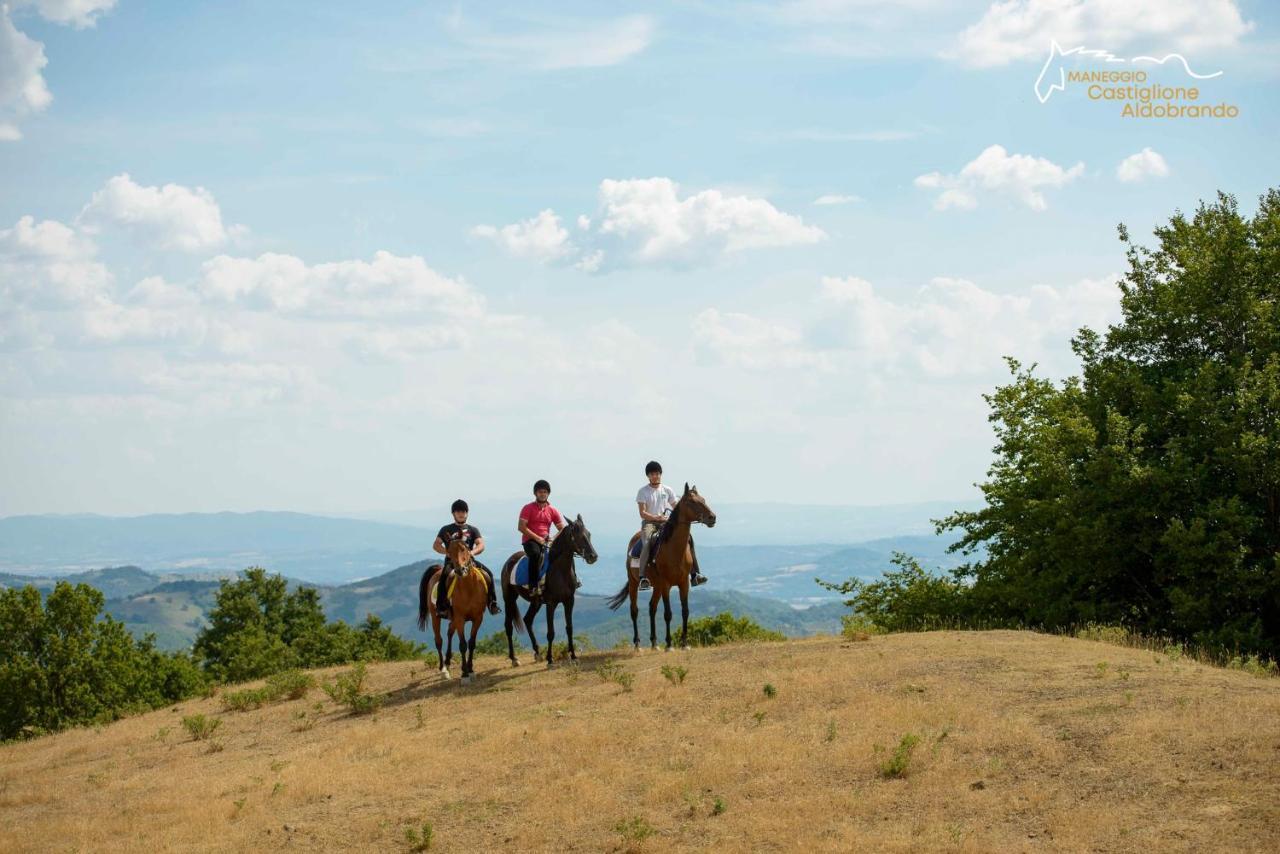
column 655, row 501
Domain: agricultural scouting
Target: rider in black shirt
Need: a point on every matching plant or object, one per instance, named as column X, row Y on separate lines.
column 472, row 539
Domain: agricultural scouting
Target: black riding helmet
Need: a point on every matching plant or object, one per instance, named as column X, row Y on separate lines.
column 542, row 484
column 653, row 466
column 459, row 506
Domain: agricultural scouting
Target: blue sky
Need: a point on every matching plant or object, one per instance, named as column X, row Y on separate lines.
column 317, row 257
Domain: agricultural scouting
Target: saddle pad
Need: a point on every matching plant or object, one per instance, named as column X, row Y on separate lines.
column 635, row 549
column 520, row 575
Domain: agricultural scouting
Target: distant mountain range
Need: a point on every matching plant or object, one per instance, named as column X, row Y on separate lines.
column 331, row 551
column 175, row 610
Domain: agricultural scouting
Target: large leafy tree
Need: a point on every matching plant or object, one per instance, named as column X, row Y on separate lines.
column 258, row 626
column 62, row 663
column 1147, row 490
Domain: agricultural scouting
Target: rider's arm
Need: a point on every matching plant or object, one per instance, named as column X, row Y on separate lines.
column 645, row 515
column 438, row 546
column 523, row 527
column 478, row 547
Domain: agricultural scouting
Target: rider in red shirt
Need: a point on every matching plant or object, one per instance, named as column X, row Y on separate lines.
column 534, row 525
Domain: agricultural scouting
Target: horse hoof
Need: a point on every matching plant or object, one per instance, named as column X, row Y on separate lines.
column 635, row 648
column 467, row 680
column 684, row 647
column 515, row 663
column 445, row 673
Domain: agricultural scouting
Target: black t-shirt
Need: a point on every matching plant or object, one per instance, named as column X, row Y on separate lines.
column 453, row 531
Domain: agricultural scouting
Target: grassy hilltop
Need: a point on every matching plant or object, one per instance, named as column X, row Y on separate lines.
column 942, row 741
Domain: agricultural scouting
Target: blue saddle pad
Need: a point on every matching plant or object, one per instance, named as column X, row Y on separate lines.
column 521, row 572
column 635, row 549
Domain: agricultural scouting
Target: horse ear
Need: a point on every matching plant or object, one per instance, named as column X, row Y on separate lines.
column 686, row 487
column 579, row 518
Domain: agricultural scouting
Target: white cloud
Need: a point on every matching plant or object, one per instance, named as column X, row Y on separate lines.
column 540, row 238
column 389, row 286
column 1145, row 164
column 48, row 265
column 1022, row 29
column 744, row 341
column 168, row 217
column 23, row 90
column 645, row 222
column 22, row 87
column 836, row 199
column 78, row 13
column 1020, row 176
column 588, row 45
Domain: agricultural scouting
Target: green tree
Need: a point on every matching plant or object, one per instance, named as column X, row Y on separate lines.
column 258, row 627
column 908, row 599
column 63, row 664
column 1146, row 491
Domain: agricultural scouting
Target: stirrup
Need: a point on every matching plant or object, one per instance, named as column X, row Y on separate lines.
column 696, row 579
column 494, row 609
column 644, row 584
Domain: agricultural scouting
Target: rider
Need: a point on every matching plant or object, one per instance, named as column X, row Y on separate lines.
column 472, row 539
column 534, row 525
column 656, row 500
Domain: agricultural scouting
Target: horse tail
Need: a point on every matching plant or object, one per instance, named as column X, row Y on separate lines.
column 424, row 599
column 619, row 597
column 507, row 581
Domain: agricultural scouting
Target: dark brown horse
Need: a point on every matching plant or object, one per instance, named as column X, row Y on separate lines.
column 672, row 566
column 558, row 589
column 467, row 604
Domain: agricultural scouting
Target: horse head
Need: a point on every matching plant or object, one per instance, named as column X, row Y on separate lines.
column 459, row 555
column 699, row 510
column 580, row 540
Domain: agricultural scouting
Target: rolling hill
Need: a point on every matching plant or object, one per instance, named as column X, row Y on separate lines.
column 946, row 741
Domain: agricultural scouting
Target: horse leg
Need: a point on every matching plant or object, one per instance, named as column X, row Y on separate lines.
column 528, row 626
column 435, row 625
column 448, row 649
column 469, row 669
column 653, row 619
column 551, row 633
column 666, row 613
column 568, row 629
column 684, row 614
column 635, row 612
column 509, row 620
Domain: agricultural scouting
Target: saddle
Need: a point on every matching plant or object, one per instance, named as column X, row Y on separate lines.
column 633, row 559
column 520, row 572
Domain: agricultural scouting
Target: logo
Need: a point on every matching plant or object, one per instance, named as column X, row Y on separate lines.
column 1127, row 81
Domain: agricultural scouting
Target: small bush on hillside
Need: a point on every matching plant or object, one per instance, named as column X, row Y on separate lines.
column 726, row 628
column 290, row 684
column 496, row 643
column 858, row 627
column 674, row 675
column 201, row 727
column 1255, row 665
column 896, row 765
column 348, row 690
column 1116, row 635
column 634, row 829
column 420, row 840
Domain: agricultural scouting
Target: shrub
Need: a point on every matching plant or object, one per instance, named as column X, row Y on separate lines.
column 726, row 628
column 674, row 675
column 634, row 829
column 908, row 599
column 347, row 690
column 420, row 840
column 290, row 684
column 896, row 765
column 201, row 727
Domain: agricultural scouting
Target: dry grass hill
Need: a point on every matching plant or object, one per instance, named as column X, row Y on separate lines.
column 1023, row 742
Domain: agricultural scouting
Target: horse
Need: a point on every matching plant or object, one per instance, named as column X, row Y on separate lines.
column 467, row 604
column 671, row 569
column 559, row 586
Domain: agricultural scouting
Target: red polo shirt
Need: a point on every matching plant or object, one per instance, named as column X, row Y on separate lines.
column 539, row 518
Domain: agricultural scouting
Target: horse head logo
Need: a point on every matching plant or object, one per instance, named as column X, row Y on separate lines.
column 1053, row 76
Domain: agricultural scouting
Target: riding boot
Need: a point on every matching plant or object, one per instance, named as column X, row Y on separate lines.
column 442, row 594
column 493, row 592
column 695, row 577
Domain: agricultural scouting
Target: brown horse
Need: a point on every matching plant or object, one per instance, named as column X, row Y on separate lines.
column 467, row 603
column 671, row 569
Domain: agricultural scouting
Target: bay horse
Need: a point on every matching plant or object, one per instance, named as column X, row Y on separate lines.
column 558, row 589
column 467, row 604
column 671, row 569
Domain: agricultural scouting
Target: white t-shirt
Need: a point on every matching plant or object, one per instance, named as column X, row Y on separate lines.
column 657, row 500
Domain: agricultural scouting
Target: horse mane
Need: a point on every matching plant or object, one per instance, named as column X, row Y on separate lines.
column 556, row 548
column 669, row 527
